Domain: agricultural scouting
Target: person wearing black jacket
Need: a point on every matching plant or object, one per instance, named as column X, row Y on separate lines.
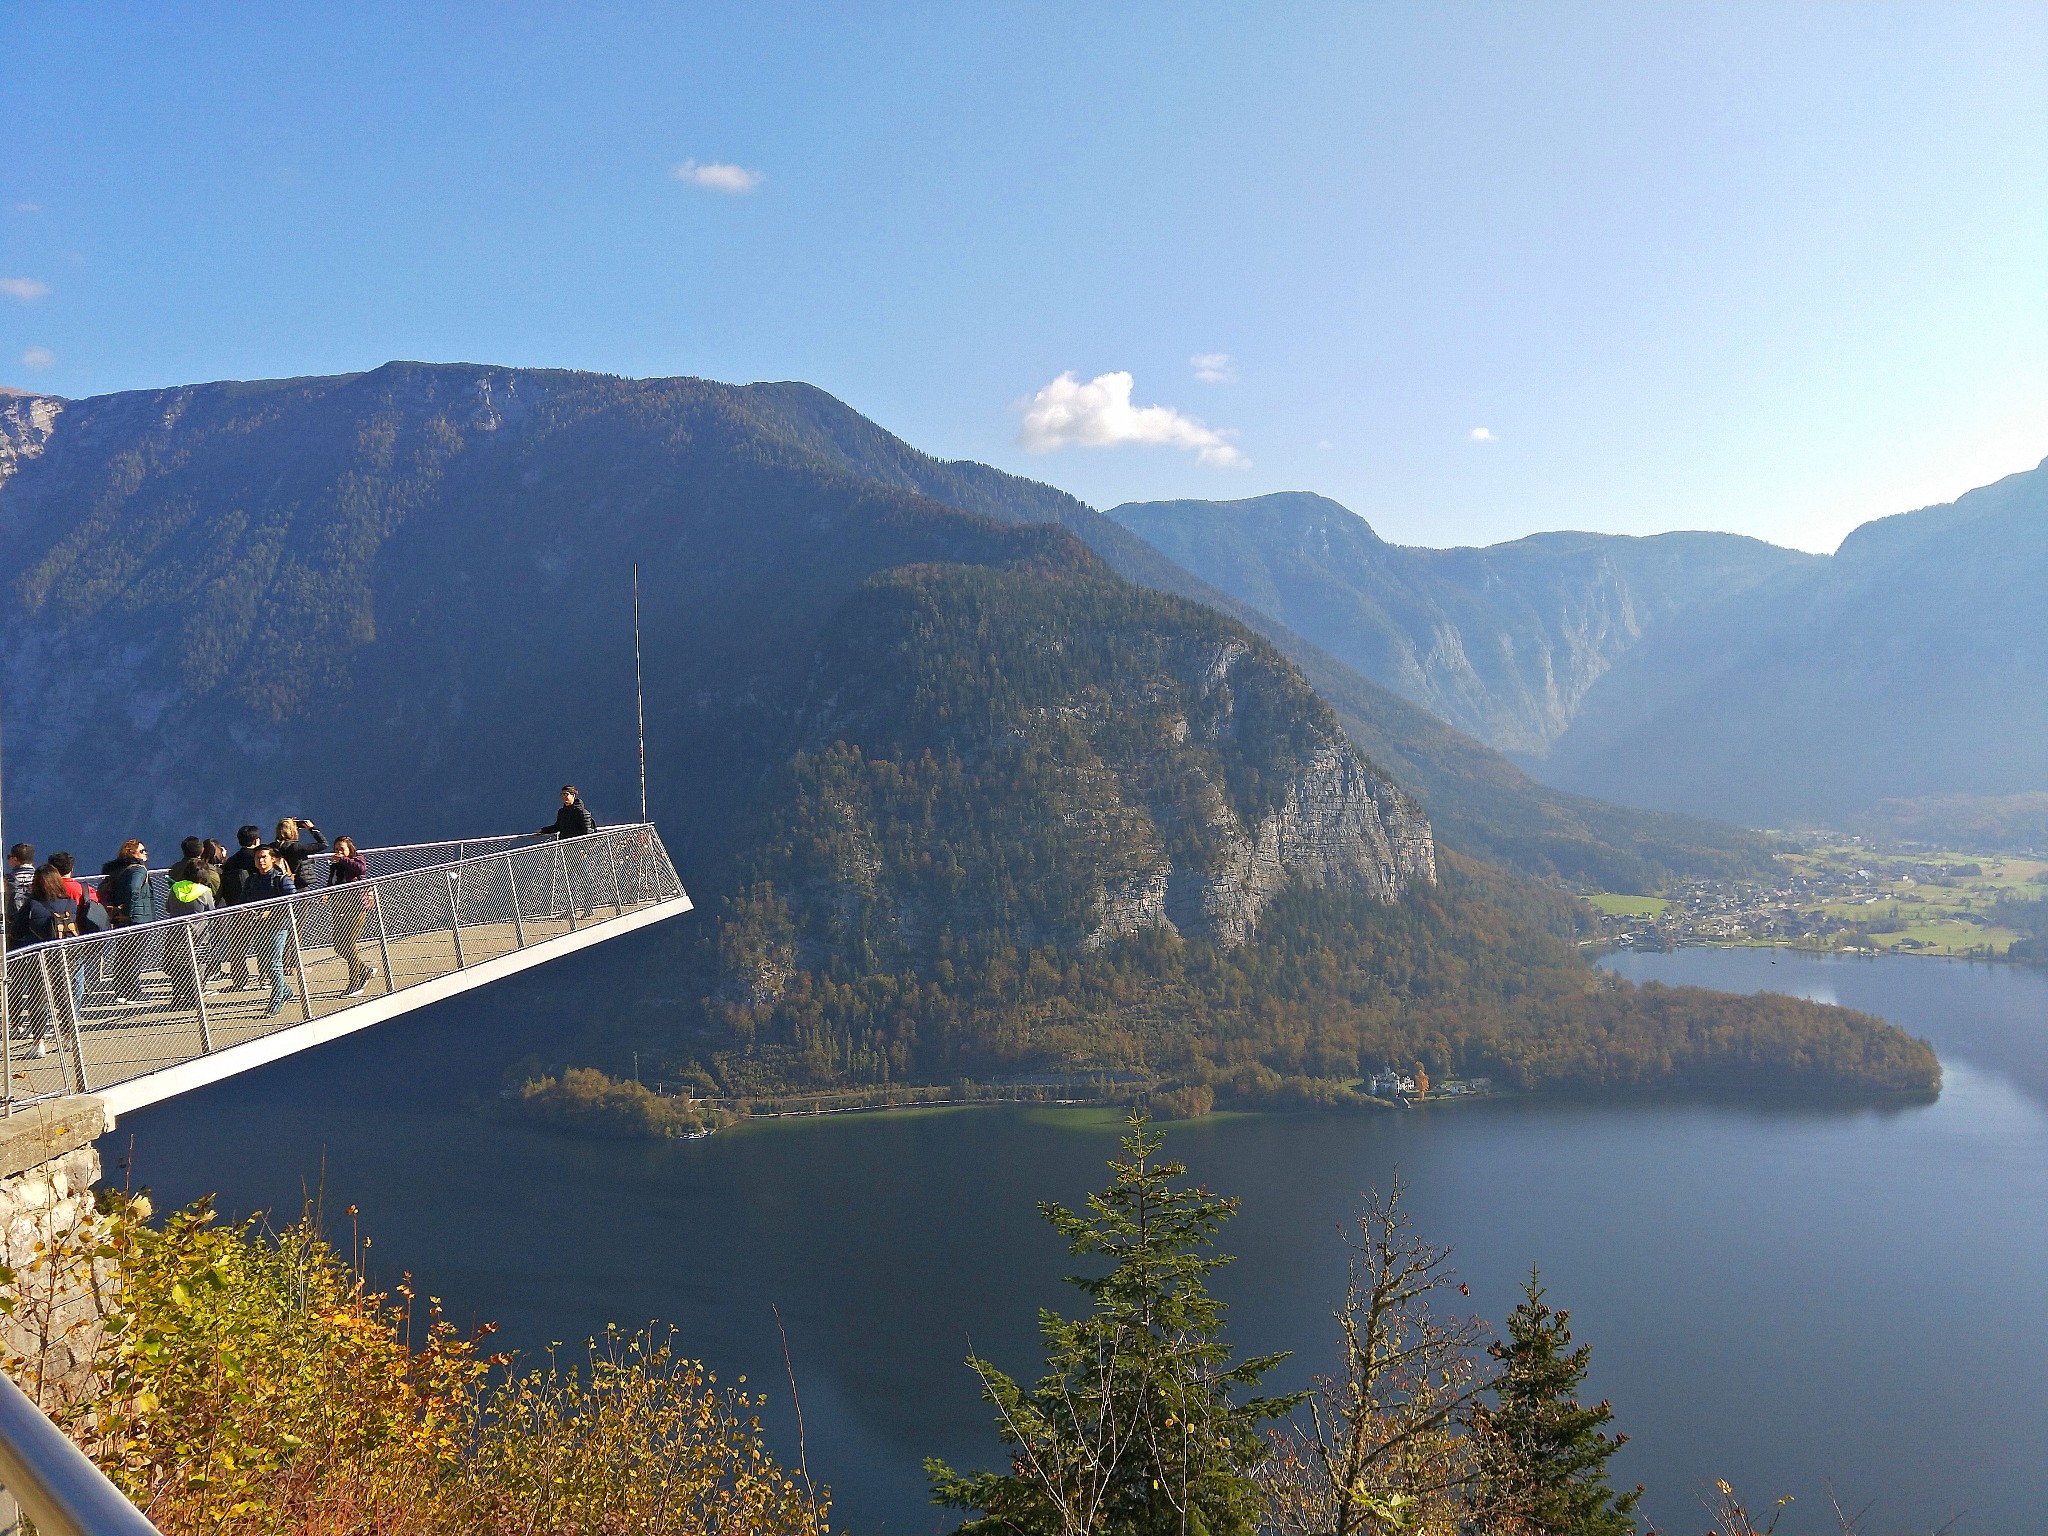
column 21, row 880
column 234, row 877
column 293, row 850
column 573, row 819
column 270, row 883
column 236, row 870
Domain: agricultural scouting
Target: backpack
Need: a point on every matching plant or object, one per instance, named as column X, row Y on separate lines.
column 191, row 896
column 92, row 916
column 64, row 925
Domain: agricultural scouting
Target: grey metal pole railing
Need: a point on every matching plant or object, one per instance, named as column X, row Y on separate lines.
column 70, row 1007
column 611, row 848
column 291, row 916
column 55, row 1482
column 518, row 922
column 562, row 887
column 198, row 988
column 50, row 1007
column 455, row 916
column 383, row 941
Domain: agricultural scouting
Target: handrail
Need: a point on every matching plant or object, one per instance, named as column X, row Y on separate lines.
column 55, row 1483
column 160, row 879
column 508, row 899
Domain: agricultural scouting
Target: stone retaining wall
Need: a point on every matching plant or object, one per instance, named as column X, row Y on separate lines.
column 49, row 1229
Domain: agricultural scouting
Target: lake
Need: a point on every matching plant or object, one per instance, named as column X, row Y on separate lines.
column 1780, row 1296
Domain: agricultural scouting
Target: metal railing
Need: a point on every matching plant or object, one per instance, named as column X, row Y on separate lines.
column 89, row 1012
column 392, row 860
column 53, row 1481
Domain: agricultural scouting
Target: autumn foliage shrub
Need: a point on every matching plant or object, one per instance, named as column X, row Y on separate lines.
column 252, row 1381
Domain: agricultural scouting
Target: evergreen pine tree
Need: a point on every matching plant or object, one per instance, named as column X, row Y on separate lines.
column 1544, row 1454
column 1135, row 1429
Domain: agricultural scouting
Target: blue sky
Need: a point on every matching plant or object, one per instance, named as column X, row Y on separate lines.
column 1773, row 269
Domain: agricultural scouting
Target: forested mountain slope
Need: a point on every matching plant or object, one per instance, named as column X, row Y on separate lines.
column 950, row 793
column 1503, row 642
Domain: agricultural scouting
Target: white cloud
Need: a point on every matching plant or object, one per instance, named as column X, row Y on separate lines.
column 23, row 288
column 1099, row 414
column 38, row 357
column 1482, row 435
column 28, row 207
column 1214, row 368
column 718, row 177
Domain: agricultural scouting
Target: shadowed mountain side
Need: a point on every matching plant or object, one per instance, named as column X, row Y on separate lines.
column 227, row 574
column 1988, row 823
column 400, row 600
column 1057, row 823
column 1482, row 803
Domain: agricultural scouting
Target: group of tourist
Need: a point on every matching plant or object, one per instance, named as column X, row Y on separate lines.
column 48, row 901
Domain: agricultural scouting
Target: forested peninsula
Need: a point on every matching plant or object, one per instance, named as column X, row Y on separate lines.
column 1054, row 824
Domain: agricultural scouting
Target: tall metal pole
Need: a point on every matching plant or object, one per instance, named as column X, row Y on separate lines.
column 639, row 700
column 7, row 943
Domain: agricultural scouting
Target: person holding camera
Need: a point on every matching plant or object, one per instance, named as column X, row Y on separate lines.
column 292, row 847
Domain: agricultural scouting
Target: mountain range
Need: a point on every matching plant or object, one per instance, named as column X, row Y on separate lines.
column 1695, row 672
column 955, row 791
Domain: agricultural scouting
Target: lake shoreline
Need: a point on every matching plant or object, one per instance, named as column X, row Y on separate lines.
column 1598, row 949
column 1704, row 1246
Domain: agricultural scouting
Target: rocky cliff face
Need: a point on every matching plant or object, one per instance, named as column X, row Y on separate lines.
column 996, row 761
column 1337, row 824
column 1334, row 822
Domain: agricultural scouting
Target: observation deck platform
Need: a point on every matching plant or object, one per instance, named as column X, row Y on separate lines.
column 139, row 1014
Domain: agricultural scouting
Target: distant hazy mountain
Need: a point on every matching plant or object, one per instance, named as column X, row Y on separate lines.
column 1696, row 673
column 1982, row 823
column 1503, row 642
column 1913, row 663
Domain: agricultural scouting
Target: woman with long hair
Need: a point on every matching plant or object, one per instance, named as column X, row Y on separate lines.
column 52, row 914
column 130, row 901
column 349, row 910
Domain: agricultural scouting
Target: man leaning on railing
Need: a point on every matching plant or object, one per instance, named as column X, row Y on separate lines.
column 574, row 820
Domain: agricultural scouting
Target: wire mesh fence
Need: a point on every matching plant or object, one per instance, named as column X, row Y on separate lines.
column 88, row 1012
column 383, row 861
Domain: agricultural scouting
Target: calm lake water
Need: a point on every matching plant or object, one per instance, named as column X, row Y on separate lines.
column 1783, row 1297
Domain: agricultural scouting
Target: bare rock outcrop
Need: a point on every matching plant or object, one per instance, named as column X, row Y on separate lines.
column 26, row 422
column 1338, row 824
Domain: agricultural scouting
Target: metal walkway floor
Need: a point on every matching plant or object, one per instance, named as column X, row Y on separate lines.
column 429, row 926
